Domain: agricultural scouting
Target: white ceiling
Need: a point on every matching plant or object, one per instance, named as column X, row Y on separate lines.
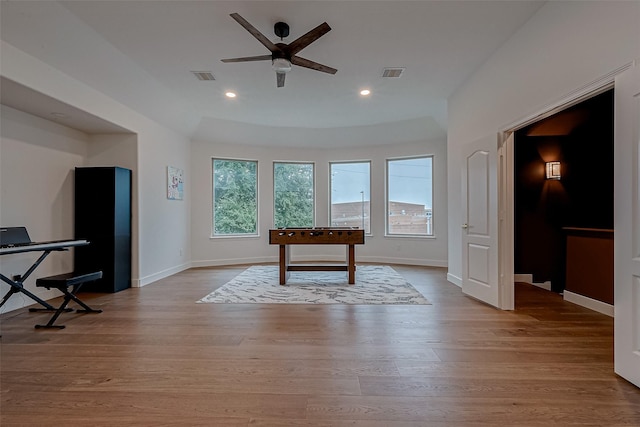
column 141, row 53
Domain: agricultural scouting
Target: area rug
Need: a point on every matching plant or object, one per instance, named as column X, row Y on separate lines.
column 374, row 285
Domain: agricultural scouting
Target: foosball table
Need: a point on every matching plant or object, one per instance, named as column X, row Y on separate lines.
column 317, row 236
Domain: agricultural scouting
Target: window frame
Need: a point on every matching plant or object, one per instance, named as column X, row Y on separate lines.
column 338, row 162
column 257, row 211
column 386, row 197
column 313, row 177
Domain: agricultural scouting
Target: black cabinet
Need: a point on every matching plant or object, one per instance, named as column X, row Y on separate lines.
column 103, row 216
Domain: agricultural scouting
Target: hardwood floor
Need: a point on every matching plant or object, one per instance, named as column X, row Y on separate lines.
column 155, row 357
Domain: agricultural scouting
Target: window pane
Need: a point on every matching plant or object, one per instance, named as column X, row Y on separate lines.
column 409, row 196
column 293, row 194
column 235, row 197
column 350, row 195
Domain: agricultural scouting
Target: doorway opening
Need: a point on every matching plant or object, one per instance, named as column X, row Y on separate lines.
column 563, row 225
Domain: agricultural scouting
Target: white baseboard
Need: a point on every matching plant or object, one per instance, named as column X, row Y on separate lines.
column 590, row 303
column 546, row 285
column 454, row 279
column 403, row 261
column 143, row 281
column 232, row 261
column 320, row 258
column 528, row 278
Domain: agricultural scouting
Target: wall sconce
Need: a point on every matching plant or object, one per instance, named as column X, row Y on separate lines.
column 553, row 170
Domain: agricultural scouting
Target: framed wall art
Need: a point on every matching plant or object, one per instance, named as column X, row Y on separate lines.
column 175, row 183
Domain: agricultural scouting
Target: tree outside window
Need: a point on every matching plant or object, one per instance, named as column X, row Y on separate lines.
column 293, row 195
column 235, row 197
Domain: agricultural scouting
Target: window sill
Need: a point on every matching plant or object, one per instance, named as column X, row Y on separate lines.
column 410, row 236
column 236, row 236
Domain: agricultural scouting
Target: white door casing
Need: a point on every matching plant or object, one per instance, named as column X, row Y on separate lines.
column 506, row 222
column 627, row 225
column 480, row 216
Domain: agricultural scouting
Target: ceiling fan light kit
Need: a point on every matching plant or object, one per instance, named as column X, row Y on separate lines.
column 281, row 65
column 283, row 55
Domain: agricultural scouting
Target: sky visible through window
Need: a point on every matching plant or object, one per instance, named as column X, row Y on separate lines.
column 410, row 180
column 349, row 181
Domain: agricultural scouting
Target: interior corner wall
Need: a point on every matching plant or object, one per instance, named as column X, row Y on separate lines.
column 37, row 161
column 163, row 225
column 209, row 251
column 564, row 47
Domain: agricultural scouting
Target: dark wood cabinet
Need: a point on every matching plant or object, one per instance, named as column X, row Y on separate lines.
column 103, row 216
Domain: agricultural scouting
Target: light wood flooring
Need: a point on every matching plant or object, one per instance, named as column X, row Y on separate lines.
column 154, row 357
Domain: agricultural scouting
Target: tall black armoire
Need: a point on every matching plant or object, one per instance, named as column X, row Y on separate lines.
column 103, row 216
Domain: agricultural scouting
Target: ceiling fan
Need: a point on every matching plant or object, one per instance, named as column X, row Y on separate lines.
column 283, row 55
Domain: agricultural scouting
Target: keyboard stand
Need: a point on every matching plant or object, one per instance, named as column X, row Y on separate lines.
column 18, row 287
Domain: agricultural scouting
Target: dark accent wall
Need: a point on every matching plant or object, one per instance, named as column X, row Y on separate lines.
column 581, row 138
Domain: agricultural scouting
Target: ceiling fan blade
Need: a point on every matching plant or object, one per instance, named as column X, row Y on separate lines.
column 280, row 79
column 255, row 33
column 248, row 58
column 313, row 65
column 303, row 41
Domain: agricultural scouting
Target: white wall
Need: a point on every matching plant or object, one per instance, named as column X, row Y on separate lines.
column 378, row 248
column 162, row 225
column 564, row 47
column 37, row 161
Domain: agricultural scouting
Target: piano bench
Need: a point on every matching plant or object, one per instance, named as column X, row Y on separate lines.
column 69, row 284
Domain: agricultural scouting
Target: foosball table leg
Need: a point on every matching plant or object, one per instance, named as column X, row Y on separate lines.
column 284, row 264
column 351, row 264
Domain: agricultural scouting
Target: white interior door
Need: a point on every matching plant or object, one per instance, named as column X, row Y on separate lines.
column 480, row 227
column 627, row 225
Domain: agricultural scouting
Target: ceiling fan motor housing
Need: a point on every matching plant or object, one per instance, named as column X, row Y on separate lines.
column 281, row 29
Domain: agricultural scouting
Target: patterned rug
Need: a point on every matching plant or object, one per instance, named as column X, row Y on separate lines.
column 374, row 285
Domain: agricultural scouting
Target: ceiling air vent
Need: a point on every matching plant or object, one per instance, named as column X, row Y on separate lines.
column 392, row 72
column 203, row 75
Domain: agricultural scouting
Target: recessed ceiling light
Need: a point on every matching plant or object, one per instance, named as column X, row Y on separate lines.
column 365, row 92
column 230, row 94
